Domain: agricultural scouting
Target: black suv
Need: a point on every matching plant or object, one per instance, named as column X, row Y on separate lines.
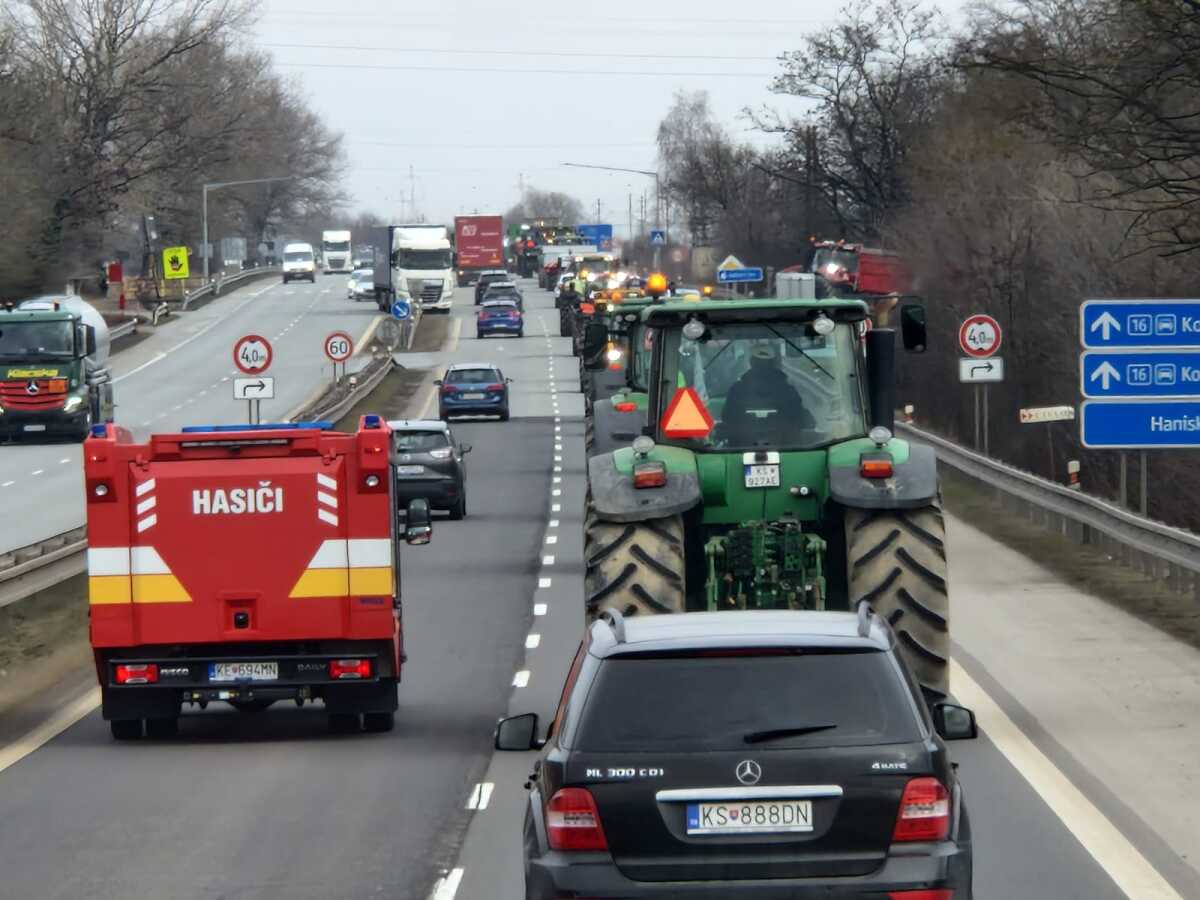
column 429, row 465
column 489, row 276
column 764, row 754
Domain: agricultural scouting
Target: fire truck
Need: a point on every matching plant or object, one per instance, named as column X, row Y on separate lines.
column 245, row 564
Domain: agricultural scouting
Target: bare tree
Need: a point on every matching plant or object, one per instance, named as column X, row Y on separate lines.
column 550, row 205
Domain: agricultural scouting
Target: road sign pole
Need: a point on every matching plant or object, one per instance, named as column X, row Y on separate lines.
column 978, row 441
column 987, row 451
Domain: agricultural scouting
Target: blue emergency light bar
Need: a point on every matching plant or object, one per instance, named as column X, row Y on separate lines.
column 272, row 426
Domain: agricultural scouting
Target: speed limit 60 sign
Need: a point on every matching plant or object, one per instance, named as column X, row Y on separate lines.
column 339, row 346
column 979, row 336
column 252, row 354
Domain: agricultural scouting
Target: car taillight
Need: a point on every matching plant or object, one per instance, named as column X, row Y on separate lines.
column 346, row 669
column 649, row 475
column 137, row 673
column 936, row 894
column 924, row 812
column 875, row 467
column 449, row 389
column 573, row 822
column 495, row 387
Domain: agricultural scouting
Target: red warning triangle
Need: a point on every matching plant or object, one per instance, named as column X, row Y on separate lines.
column 686, row 416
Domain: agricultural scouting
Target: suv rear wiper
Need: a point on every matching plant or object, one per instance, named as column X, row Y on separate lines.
column 758, row 737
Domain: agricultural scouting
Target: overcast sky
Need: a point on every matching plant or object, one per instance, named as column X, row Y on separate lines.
column 475, row 95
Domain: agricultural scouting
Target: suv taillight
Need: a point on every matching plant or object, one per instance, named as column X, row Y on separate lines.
column 573, row 822
column 498, row 386
column 924, row 812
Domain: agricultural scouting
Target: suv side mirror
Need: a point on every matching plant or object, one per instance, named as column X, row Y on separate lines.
column 438, row 382
column 418, row 525
column 912, row 327
column 954, row 723
column 464, row 448
column 518, row 733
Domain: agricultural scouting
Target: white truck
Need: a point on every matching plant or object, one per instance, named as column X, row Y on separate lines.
column 424, row 265
column 335, row 249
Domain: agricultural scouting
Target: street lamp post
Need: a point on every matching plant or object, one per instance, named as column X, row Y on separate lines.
column 214, row 185
column 657, row 196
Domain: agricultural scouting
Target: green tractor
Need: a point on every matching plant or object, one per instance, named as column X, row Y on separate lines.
column 615, row 364
column 768, row 475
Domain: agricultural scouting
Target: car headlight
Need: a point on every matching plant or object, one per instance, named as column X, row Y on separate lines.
column 73, row 403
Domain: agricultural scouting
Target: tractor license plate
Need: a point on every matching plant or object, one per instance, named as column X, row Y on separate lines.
column 243, row 671
column 750, row 817
column 759, row 476
column 473, row 396
column 409, row 470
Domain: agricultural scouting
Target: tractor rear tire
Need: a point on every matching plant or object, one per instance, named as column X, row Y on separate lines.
column 896, row 561
column 636, row 567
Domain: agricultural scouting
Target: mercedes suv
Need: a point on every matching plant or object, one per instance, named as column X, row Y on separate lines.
column 764, row 754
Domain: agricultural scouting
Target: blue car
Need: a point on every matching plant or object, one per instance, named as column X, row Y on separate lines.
column 473, row 389
column 499, row 317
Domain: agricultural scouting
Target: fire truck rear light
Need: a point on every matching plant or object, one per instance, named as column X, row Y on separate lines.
column 875, row 468
column 924, row 812
column 349, row 669
column 573, row 822
column 137, row 673
column 650, row 475
column 626, row 407
column 100, row 490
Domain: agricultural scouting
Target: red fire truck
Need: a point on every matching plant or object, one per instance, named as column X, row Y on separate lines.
column 246, row 564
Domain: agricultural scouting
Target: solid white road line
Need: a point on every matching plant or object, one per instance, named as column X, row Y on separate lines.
column 49, row 730
column 521, row 679
column 1125, row 865
column 481, row 795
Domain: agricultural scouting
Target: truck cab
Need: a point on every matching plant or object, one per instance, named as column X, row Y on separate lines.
column 54, row 379
column 425, row 270
column 336, row 251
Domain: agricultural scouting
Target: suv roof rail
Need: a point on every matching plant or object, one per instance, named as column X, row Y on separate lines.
column 616, row 622
column 864, row 618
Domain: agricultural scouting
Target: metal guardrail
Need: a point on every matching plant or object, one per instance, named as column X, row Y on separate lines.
column 125, row 328
column 221, row 283
column 1159, row 550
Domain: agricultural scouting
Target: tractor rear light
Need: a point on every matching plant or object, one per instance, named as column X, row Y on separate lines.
column 349, row 669
column 650, row 475
column 875, row 467
column 625, row 406
column 924, row 812
column 573, row 822
column 136, row 673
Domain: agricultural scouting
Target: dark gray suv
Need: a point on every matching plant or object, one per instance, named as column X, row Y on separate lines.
column 764, row 754
column 429, row 465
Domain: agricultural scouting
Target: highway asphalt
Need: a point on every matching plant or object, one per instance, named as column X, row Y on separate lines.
column 182, row 375
column 273, row 807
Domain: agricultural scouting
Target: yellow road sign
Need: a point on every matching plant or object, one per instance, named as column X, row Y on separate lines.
column 175, row 262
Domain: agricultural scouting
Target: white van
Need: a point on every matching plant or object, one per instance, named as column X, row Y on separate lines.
column 299, row 263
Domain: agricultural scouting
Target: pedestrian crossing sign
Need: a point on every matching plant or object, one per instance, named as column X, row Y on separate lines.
column 686, row 416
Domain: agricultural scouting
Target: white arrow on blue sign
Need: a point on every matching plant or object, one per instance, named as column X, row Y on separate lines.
column 1148, row 324
column 1155, row 373
column 1140, row 424
column 658, row 237
column 729, row 276
column 401, row 309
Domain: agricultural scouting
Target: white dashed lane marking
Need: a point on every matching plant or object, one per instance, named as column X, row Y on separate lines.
column 481, row 796
column 521, row 679
column 532, row 641
column 539, row 609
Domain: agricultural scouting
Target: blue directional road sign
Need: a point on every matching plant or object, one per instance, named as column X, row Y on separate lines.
column 1140, row 424
column 658, row 237
column 1105, row 324
column 1154, row 373
column 731, row 276
column 401, row 309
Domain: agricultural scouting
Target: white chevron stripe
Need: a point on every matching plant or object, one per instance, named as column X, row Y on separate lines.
column 149, row 522
column 327, row 499
column 326, row 481
column 146, row 505
column 326, row 516
column 145, row 487
column 330, row 555
column 369, row 552
column 146, row 561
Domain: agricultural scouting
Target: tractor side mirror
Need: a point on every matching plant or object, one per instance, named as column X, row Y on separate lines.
column 89, row 340
column 595, row 336
column 418, row 525
column 912, row 327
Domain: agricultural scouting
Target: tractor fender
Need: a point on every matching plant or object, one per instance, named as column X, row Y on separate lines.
column 616, row 499
column 913, row 484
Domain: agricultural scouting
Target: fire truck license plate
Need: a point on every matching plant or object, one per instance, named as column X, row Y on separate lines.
column 762, row 476
column 243, row 671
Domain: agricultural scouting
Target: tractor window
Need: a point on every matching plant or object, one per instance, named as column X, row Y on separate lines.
column 775, row 385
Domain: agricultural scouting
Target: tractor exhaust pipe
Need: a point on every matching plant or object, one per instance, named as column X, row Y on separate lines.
column 881, row 377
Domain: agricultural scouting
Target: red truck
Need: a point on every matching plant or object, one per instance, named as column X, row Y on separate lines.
column 479, row 245
column 246, row 564
column 853, row 269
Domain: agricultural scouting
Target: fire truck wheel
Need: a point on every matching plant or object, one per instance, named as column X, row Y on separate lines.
column 126, row 729
column 159, row 729
column 378, row 722
column 342, row 723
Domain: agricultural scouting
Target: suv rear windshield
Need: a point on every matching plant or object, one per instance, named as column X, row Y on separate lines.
column 418, row 441
column 473, row 376
column 695, row 703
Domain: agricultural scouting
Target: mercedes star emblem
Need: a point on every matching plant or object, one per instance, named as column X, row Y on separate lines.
column 31, row 388
column 748, row 771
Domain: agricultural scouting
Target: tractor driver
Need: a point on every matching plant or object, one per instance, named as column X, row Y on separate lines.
column 762, row 407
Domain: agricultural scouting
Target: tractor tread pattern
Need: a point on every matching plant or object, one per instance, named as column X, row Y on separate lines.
column 635, row 566
column 897, row 562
